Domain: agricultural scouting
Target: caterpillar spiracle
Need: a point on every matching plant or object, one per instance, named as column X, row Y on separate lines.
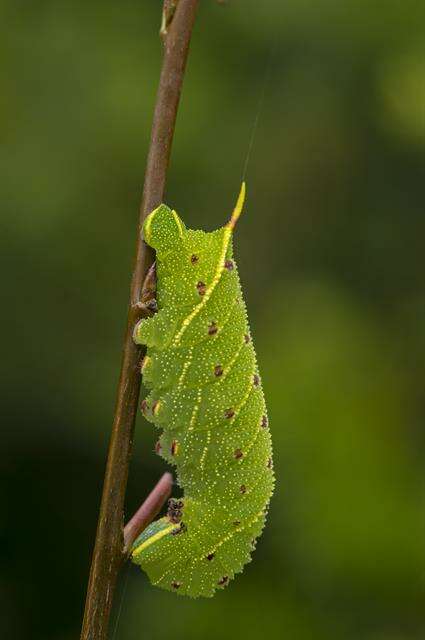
column 206, row 396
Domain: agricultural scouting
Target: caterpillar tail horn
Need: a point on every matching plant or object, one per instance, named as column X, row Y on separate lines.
column 238, row 207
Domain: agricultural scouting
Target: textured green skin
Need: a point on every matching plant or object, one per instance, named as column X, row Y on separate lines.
column 221, row 519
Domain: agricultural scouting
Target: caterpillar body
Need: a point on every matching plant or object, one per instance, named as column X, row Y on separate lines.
column 207, row 398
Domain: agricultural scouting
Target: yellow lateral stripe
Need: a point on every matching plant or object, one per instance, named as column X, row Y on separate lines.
column 205, row 451
column 154, row 538
column 195, row 411
column 208, row 293
column 243, row 403
column 185, row 368
column 229, row 366
column 228, row 229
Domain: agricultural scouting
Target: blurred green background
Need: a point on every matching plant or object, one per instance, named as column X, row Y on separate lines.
column 331, row 256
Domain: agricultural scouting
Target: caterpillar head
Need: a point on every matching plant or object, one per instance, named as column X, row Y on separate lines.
column 163, row 229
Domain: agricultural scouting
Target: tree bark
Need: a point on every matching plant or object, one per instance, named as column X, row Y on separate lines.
column 108, row 554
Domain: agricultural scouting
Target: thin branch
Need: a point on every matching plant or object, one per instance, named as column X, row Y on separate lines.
column 147, row 510
column 108, row 554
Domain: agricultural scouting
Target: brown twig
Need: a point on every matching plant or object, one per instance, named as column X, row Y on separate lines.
column 108, row 553
column 147, row 510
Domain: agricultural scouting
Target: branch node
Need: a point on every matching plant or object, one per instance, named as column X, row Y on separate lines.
column 168, row 12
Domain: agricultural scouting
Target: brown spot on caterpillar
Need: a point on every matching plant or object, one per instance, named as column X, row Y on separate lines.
column 264, row 422
column 238, row 454
column 269, row 463
column 176, row 584
column 224, row 580
column 194, row 258
column 218, row 370
column 175, row 504
column 174, row 448
column 158, row 447
column 255, row 380
column 202, row 287
column 247, row 338
column 229, row 413
column 212, row 328
column 242, row 489
column 182, row 528
column 144, row 406
column 210, row 556
column 236, row 523
column 174, row 517
column 229, row 265
column 174, row 512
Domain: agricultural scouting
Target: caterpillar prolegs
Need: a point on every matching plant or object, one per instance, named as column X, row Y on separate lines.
column 206, row 396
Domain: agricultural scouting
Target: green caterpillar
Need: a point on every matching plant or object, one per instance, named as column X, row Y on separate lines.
column 206, row 395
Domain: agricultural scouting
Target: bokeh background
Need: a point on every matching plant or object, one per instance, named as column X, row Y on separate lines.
column 331, row 255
